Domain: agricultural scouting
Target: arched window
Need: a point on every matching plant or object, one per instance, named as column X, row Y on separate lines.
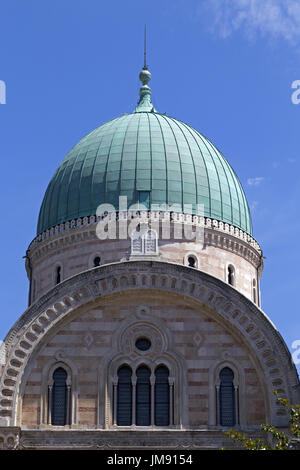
column 58, row 274
column 191, row 261
column 97, row 261
column 231, row 275
column 59, row 405
column 227, row 398
column 124, row 397
column 143, row 397
column 162, row 397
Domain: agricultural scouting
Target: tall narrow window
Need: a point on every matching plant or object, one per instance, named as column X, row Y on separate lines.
column 254, row 290
column 58, row 274
column 227, row 399
column 59, row 398
column 124, row 397
column 162, row 397
column 231, row 275
column 143, row 397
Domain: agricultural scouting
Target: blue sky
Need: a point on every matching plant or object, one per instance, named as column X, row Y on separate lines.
column 224, row 67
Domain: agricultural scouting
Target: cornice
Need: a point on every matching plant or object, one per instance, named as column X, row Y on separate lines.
column 82, row 230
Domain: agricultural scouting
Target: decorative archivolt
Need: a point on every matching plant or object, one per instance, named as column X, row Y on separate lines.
column 63, row 300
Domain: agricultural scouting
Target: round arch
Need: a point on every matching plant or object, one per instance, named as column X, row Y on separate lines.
column 230, row 306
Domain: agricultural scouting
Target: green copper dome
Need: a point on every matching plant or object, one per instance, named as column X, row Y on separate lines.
column 150, row 158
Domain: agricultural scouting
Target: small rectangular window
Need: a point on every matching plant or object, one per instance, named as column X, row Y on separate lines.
column 144, row 198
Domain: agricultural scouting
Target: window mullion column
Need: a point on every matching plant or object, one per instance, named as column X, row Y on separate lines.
column 236, row 403
column 171, row 405
column 68, row 421
column 218, row 419
column 115, row 399
column 152, row 402
column 133, row 415
column 49, row 404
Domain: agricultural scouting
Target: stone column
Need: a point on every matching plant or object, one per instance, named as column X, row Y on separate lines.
column 152, row 402
column 171, row 395
column 49, row 419
column 133, row 381
column 236, row 404
column 115, row 398
column 218, row 418
column 68, row 417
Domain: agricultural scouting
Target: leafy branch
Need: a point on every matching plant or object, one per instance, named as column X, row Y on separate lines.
column 280, row 440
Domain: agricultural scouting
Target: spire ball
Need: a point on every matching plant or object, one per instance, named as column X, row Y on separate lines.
column 145, row 76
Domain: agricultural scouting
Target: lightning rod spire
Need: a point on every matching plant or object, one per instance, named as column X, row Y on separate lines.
column 145, row 49
column 145, row 104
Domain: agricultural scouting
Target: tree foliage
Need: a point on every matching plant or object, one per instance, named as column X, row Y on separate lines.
column 275, row 439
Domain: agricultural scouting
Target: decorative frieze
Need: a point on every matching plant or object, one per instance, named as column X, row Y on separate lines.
column 9, row 438
column 216, row 233
column 185, row 439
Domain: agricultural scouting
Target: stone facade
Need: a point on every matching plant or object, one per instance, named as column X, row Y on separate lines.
column 72, row 247
column 185, row 337
column 197, row 324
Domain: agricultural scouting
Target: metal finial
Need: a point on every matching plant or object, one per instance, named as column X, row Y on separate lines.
column 144, row 104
